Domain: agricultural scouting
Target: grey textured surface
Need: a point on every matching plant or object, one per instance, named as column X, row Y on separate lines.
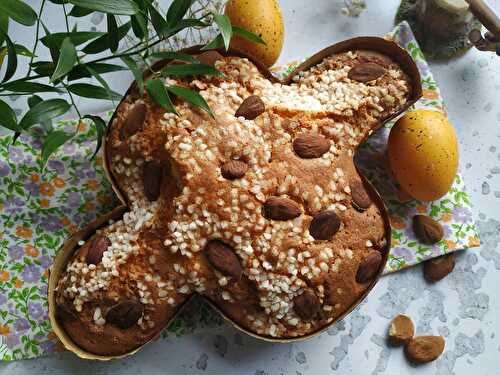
column 463, row 307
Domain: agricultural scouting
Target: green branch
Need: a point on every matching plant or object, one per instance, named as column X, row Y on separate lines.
column 36, row 36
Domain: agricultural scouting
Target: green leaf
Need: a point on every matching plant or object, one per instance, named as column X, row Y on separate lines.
column 174, row 56
column 139, row 25
column 4, row 26
column 80, row 71
column 100, row 126
column 112, row 33
column 102, row 43
column 177, row 10
column 34, row 100
column 54, row 52
column 77, row 11
column 122, row 7
column 181, row 25
column 87, row 90
column 77, row 37
column 43, row 68
column 225, row 28
column 29, row 87
column 12, row 58
column 19, row 11
column 23, row 51
column 52, row 142
column 248, row 35
column 67, row 60
column 156, row 89
column 190, row 69
column 43, row 111
column 3, row 53
column 191, row 97
column 132, row 65
column 159, row 23
column 101, row 81
column 8, row 118
column 216, row 43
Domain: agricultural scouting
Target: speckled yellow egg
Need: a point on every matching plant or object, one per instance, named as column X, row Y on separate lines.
column 263, row 18
column 423, row 154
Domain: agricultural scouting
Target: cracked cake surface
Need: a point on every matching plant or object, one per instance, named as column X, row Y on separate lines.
column 259, row 208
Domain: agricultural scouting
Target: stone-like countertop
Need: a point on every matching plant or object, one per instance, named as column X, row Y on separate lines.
column 463, row 307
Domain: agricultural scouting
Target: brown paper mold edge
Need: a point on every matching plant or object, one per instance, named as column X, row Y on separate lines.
column 376, row 44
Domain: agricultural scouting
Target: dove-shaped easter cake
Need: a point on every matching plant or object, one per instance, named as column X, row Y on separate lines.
column 258, row 208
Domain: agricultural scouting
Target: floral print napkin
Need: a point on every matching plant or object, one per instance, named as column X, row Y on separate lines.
column 40, row 209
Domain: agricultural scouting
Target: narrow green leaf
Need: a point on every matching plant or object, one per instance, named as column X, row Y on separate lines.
column 102, row 43
column 43, row 68
column 3, row 53
column 122, row 7
column 80, row 71
column 52, row 142
column 174, row 56
column 216, row 43
column 177, row 10
column 11, row 58
column 23, row 51
column 248, row 35
column 191, row 97
column 112, row 33
column 77, row 11
column 87, row 90
column 4, row 26
column 59, row 2
column 67, row 60
column 156, row 89
column 181, row 25
column 8, row 119
column 132, row 65
column 29, row 87
column 159, row 23
column 77, row 37
column 225, row 28
column 54, row 52
column 190, row 69
column 139, row 25
column 43, row 111
column 100, row 126
column 104, row 84
column 19, row 11
column 33, row 100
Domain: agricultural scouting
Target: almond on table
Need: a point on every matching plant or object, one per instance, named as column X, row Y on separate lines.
column 438, row 268
column 427, row 230
column 401, row 330
column 423, row 349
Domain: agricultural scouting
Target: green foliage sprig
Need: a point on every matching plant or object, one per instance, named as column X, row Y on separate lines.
column 72, row 61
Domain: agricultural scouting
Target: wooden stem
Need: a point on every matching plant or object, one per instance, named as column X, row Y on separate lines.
column 486, row 16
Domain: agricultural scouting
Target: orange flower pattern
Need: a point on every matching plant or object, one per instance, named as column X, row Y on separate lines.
column 46, row 189
column 39, row 211
column 24, row 232
column 31, row 251
column 58, row 182
column 92, row 185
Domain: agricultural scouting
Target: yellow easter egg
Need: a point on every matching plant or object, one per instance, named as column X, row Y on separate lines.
column 263, row 18
column 423, row 154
